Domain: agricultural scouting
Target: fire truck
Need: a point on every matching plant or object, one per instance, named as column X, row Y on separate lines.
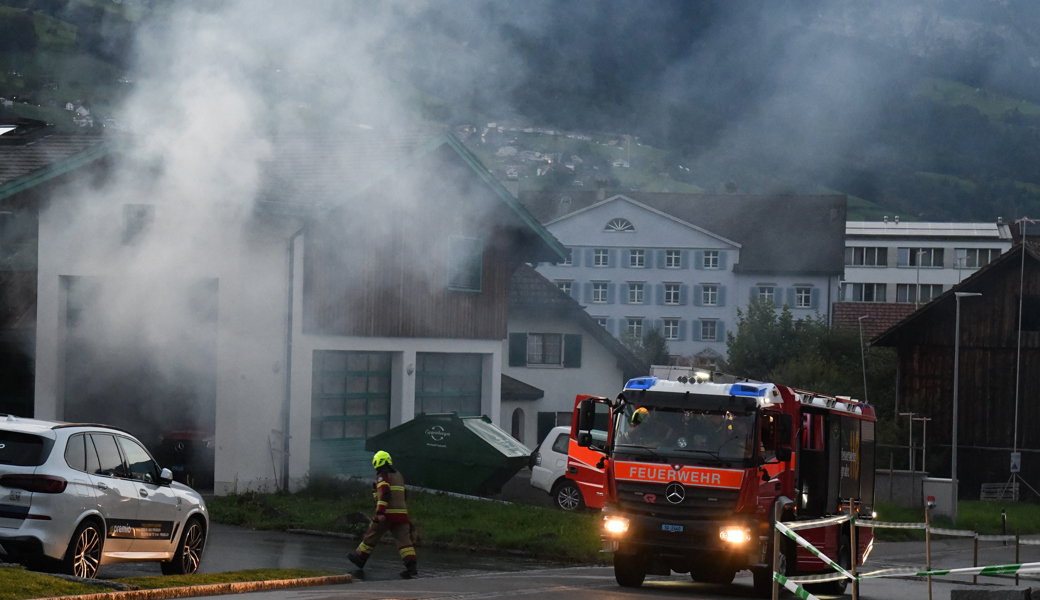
column 691, row 470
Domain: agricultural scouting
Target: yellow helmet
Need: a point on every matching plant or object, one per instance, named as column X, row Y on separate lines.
column 638, row 415
column 381, row 459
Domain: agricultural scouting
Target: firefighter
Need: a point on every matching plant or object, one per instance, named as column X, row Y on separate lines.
column 391, row 515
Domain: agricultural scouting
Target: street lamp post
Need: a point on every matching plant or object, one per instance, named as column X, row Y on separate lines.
column 956, row 385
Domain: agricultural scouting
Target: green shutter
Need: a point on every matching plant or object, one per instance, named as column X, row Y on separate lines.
column 572, row 351
column 517, row 349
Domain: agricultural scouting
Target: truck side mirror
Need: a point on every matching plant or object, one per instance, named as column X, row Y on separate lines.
column 586, row 415
column 783, row 454
column 584, row 439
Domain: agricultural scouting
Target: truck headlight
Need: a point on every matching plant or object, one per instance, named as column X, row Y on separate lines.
column 615, row 525
column 735, row 535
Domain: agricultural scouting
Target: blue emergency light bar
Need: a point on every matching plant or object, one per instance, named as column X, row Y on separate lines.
column 640, row 383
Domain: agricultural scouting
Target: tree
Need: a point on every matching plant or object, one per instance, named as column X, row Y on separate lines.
column 652, row 348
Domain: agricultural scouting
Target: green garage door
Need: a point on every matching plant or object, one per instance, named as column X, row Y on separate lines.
column 350, row 402
column 448, row 383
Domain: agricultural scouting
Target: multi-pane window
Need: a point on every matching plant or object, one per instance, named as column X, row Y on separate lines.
column 634, row 327
column 568, row 257
column 565, row 286
column 350, row 394
column 600, row 257
column 711, row 259
column 671, row 293
column 803, row 297
column 866, row 257
column 637, row 258
column 599, row 292
column 448, row 383
column 635, row 293
column 465, row 257
column 544, row 349
column 619, row 225
column 709, row 330
column 710, row 295
column 672, row 259
column 973, row 258
column 863, row 292
column 671, row 329
column 920, row 257
column 766, row 294
column 906, row 293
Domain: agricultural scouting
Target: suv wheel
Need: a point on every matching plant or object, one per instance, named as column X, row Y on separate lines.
column 83, row 555
column 189, row 551
column 567, row 496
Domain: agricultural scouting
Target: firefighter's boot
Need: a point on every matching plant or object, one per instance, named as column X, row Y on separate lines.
column 358, row 560
column 410, row 570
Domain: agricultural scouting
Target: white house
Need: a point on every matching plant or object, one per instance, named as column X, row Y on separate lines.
column 684, row 263
column 554, row 352
column 364, row 280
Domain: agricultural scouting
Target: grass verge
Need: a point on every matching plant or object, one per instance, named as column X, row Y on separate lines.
column 20, row 584
column 455, row 523
column 983, row 517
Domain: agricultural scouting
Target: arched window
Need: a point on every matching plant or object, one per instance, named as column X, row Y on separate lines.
column 518, row 425
column 619, row 224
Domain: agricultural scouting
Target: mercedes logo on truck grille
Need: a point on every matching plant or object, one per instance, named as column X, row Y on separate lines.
column 675, row 493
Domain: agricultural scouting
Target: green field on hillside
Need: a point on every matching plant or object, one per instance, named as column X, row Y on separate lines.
column 991, row 104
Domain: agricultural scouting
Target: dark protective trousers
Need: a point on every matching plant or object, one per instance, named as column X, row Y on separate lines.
column 402, row 535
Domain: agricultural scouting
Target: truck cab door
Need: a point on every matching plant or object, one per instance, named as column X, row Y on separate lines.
column 587, row 461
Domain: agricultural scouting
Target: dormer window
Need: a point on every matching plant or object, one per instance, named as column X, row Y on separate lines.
column 619, row 225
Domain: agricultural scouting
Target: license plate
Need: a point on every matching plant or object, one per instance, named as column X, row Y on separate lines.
column 671, row 527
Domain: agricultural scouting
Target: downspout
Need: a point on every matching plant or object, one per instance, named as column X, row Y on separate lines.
column 286, row 402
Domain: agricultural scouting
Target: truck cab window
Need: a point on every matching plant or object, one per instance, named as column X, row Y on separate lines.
column 767, row 437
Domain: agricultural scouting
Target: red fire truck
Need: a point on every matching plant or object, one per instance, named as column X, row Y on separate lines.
column 690, row 472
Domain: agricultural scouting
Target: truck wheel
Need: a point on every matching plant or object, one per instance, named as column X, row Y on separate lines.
column 567, row 496
column 629, row 570
column 763, row 578
column 836, row 588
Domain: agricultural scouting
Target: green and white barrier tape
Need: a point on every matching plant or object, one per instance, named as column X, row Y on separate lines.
column 889, row 525
column 1028, row 542
column 952, row 532
column 795, row 589
column 996, row 538
column 784, row 529
column 1018, row 569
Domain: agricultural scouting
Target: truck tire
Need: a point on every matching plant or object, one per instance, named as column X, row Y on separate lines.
column 567, row 497
column 763, row 578
column 836, row 588
column 629, row 570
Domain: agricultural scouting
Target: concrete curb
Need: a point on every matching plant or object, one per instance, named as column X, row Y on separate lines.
column 213, row 589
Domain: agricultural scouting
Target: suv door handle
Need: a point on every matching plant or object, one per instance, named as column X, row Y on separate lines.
column 144, row 493
column 102, row 486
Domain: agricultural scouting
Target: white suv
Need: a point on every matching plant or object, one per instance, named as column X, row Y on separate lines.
column 89, row 495
column 549, row 471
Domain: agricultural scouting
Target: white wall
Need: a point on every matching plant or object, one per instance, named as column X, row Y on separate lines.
column 599, row 374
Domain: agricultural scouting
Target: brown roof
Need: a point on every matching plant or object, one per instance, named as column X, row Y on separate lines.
column 17, row 161
column 880, row 316
column 778, row 234
column 528, row 289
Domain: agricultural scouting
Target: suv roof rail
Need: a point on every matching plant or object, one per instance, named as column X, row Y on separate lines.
column 64, row 425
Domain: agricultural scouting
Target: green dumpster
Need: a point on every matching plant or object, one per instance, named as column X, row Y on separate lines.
column 467, row 455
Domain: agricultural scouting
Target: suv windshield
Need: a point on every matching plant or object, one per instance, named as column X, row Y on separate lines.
column 725, row 436
column 23, row 449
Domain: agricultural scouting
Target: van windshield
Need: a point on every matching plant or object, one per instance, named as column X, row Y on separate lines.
column 720, row 435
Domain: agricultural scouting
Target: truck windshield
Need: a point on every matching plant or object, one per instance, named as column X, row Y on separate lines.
column 724, row 436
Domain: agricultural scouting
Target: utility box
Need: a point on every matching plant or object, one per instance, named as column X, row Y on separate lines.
column 466, row 455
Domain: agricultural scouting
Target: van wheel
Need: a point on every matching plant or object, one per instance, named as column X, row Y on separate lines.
column 83, row 555
column 189, row 550
column 567, row 496
column 629, row 570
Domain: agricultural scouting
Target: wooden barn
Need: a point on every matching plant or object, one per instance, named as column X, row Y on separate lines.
column 989, row 355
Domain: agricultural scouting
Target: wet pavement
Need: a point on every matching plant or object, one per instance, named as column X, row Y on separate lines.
column 235, row 548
